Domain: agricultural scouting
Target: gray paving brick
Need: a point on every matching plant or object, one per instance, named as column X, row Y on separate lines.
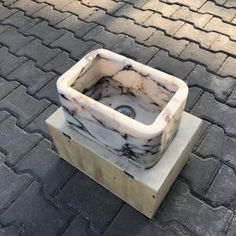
column 57, row 4
column 95, row 15
column 223, row 188
column 234, row 21
column 212, row 60
column 79, row 27
column 157, row 6
column 169, row 26
column 9, row 62
column 230, row 3
column 5, row 12
column 130, row 222
column 61, row 63
column 194, row 214
column 41, row 217
column 205, row 39
column 122, row 25
column 219, row 2
column 47, row 166
column 28, row 6
column 39, row 125
column 207, row 107
column 217, row 25
column 4, row 115
column 224, row 44
column 24, row 106
column 82, row 11
column 51, row 15
column 174, row 47
column 36, row 51
column 137, row 3
column 49, row 91
column 108, row 39
column 85, row 195
column 3, row 28
column 193, row 5
column 6, row 87
column 10, row 231
column 32, row 77
column 107, row 5
column 137, row 15
column 45, row 32
column 221, row 87
column 232, row 98
column 20, row 21
column 219, row 146
column 228, row 67
column 195, row 167
column 129, row 48
column 10, row 185
column 193, row 95
column 171, row 65
column 8, row 2
column 14, row 141
column 78, row 227
column 12, row 39
column 183, row 13
column 212, row 8
column 76, row 47
column 232, row 228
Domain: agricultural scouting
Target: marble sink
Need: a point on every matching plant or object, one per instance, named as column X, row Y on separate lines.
column 129, row 108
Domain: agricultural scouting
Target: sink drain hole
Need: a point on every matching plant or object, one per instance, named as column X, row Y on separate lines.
column 126, row 110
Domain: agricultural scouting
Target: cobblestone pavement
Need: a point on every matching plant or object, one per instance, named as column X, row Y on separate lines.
column 41, row 194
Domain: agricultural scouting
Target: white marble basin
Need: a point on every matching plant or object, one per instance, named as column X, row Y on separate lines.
column 129, row 108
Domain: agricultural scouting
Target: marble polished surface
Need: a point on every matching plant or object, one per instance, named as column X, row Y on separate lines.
column 127, row 107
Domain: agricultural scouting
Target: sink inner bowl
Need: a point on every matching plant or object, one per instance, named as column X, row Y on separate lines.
column 132, row 103
column 124, row 90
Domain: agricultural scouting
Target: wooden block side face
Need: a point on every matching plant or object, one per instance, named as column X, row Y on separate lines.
column 117, row 181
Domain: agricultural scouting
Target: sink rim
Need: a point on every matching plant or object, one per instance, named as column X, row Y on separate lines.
column 110, row 116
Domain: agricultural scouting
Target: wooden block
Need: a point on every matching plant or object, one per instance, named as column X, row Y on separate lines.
column 142, row 189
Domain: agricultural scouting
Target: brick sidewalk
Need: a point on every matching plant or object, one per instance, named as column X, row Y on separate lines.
column 40, row 39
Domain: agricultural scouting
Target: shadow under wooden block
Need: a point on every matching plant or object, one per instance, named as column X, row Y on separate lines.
column 142, row 189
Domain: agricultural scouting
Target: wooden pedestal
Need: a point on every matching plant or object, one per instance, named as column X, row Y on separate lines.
column 142, row 189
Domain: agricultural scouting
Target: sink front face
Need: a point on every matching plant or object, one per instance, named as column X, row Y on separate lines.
column 128, row 108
